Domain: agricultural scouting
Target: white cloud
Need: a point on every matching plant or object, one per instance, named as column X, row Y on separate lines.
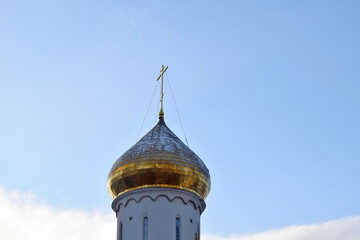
column 341, row 229
column 23, row 216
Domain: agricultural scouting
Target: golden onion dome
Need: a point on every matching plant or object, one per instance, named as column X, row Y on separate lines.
column 159, row 159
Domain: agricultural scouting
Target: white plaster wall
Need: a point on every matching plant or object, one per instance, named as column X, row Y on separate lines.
column 161, row 206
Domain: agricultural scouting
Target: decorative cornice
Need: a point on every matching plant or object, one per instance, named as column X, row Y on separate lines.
column 155, row 193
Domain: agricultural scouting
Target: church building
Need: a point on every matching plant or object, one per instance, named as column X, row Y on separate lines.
column 158, row 187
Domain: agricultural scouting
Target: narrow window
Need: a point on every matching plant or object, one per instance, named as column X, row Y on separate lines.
column 145, row 229
column 199, row 231
column 120, row 233
column 177, row 226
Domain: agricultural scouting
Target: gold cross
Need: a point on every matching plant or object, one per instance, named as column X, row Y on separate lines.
column 163, row 70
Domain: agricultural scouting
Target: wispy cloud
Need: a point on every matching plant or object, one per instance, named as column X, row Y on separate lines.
column 134, row 18
column 23, row 216
column 341, row 229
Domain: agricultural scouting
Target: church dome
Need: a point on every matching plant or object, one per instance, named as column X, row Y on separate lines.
column 159, row 159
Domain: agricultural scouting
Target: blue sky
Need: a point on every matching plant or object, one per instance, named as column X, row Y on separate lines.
column 268, row 93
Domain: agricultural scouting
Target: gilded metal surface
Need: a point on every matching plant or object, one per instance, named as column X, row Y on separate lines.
column 159, row 159
column 157, row 174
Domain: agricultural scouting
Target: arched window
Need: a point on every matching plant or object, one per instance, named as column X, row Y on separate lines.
column 120, row 231
column 177, row 227
column 145, row 229
column 199, row 231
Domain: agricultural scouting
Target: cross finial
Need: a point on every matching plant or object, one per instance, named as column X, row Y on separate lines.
column 162, row 71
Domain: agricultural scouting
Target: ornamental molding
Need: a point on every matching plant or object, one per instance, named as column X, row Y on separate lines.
column 155, row 193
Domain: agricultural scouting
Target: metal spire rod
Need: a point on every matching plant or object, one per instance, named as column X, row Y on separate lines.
column 162, row 71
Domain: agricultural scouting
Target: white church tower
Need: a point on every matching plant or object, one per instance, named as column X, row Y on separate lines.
column 159, row 186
